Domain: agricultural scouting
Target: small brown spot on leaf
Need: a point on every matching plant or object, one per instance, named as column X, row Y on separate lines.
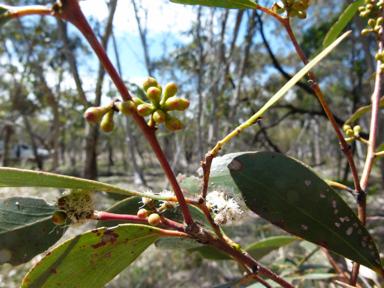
column 303, row 227
column 355, row 224
column 307, row 182
column 322, row 195
column 108, row 255
column 335, row 211
column 235, row 165
column 108, row 236
column 53, row 271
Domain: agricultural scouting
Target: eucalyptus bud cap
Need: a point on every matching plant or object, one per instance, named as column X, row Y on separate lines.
column 183, row 104
column 107, row 123
column 346, row 128
column 302, row 14
column 154, row 94
column 59, row 218
column 143, row 213
column 379, row 21
column 94, row 114
column 173, row 123
column 169, row 90
column 149, row 82
column 372, row 23
column 299, row 5
column 171, row 104
column 158, row 116
column 154, row 219
column 145, row 109
column 126, row 107
column 357, row 129
column 349, row 132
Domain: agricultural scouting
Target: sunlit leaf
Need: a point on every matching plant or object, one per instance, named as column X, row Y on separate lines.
column 263, row 247
column 93, row 258
column 286, row 193
column 11, row 177
column 343, row 21
column 229, row 4
column 26, row 229
column 363, row 110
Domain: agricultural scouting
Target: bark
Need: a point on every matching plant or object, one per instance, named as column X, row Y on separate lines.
column 38, row 159
column 92, row 132
column 4, row 157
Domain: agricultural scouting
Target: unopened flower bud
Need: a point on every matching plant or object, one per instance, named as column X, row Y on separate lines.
column 349, row 132
column 299, row 5
column 94, row 114
column 357, row 129
column 138, row 101
column 183, row 104
column 149, row 82
column 171, row 104
column 107, row 123
column 302, row 14
column 59, row 218
column 158, row 116
column 154, row 219
column 346, row 128
column 366, row 31
column 154, row 94
column 293, row 13
column 143, row 213
column 372, row 22
column 126, row 107
column 173, row 123
column 145, row 109
column 170, row 90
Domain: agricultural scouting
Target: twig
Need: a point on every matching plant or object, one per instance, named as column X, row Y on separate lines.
column 335, row 264
column 206, row 172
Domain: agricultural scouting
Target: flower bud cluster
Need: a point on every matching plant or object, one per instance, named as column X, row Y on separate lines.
column 352, row 133
column 105, row 113
column 160, row 105
column 372, row 9
column 292, row 8
column 225, row 205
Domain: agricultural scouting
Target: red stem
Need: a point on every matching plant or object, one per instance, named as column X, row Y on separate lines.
column 106, row 216
column 73, row 14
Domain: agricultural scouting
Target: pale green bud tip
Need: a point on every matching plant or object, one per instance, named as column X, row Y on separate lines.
column 349, row 132
column 154, row 219
column 183, row 104
column 94, row 114
column 171, row 104
column 357, row 129
column 107, row 123
column 173, row 124
column 144, row 109
column 366, row 31
column 149, row 82
column 154, row 94
column 159, row 116
column 59, row 218
column 170, row 90
column 346, row 128
column 127, row 107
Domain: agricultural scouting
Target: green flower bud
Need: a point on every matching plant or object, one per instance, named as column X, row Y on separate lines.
column 365, row 13
column 361, row 8
column 145, row 109
column 171, row 104
column 149, row 82
column 372, row 23
column 173, row 123
column 382, row 67
column 379, row 56
column 349, row 133
column 369, row 7
column 302, row 14
column 94, row 114
column 138, row 101
column 126, row 107
column 159, row 116
column 59, row 218
column 183, row 104
column 380, row 3
column 379, row 21
column 107, row 122
column 366, row 31
column 357, row 129
column 346, row 128
column 154, row 219
column 299, row 5
column 293, row 13
column 169, row 91
column 143, row 213
column 154, row 94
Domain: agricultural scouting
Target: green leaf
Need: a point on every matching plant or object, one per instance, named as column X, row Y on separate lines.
column 5, row 15
column 26, row 229
column 11, row 177
column 172, row 243
column 93, row 258
column 261, row 248
column 229, row 284
column 379, row 149
column 229, row 4
column 361, row 111
column 286, row 193
column 343, row 21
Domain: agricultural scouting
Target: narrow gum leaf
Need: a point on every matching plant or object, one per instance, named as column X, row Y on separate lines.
column 229, row 4
column 288, row 194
